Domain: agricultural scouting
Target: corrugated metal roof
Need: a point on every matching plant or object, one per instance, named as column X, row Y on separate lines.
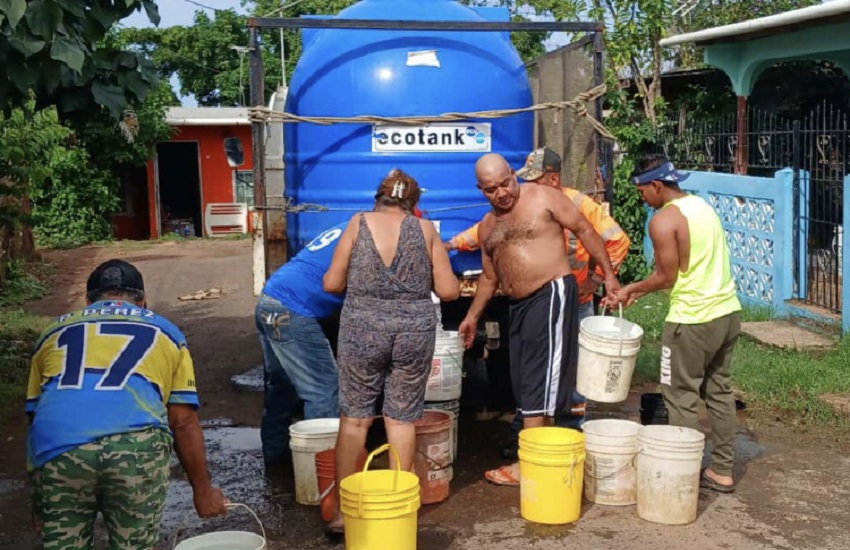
column 207, row 116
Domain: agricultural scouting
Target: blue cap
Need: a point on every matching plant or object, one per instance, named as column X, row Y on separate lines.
column 665, row 173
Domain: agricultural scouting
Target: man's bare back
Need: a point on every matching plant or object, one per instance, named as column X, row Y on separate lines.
column 526, row 243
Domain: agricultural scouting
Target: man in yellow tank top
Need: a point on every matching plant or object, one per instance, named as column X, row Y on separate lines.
column 703, row 324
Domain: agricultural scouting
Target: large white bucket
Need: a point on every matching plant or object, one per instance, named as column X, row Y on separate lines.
column 224, row 540
column 607, row 350
column 444, row 382
column 610, row 475
column 306, row 438
column 668, row 466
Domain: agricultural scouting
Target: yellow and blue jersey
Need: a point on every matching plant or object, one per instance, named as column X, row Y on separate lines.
column 107, row 369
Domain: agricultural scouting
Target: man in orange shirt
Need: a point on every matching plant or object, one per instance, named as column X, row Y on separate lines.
column 543, row 167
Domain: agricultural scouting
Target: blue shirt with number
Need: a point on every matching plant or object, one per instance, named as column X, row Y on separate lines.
column 107, row 369
column 297, row 284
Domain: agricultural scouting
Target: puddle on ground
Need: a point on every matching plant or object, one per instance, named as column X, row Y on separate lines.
column 235, row 462
column 540, row 531
column 251, row 380
column 746, row 447
column 217, row 423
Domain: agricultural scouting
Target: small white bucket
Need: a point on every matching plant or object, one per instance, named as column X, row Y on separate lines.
column 668, row 466
column 445, row 380
column 608, row 348
column 306, row 438
column 224, row 540
column 610, row 476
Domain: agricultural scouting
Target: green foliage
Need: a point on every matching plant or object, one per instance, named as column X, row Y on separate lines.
column 54, row 48
column 771, row 380
column 102, row 138
column 24, row 283
column 217, row 75
column 716, row 14
column 71, row 179
column 72, row 207
column 27, row 138
column 292, row 38
column 18, row 333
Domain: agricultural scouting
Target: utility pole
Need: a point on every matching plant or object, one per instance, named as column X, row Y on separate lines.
column 241, row 50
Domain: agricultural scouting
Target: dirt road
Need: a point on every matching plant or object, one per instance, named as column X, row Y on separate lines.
column 793, row 492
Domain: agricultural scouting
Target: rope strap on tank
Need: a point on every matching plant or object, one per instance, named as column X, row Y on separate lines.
column 288, row 206
column 578, row 105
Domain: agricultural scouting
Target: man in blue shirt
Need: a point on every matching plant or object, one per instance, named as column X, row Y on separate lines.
column 298, row 361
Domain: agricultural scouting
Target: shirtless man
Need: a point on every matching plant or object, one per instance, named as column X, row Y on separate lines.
column 523, row 248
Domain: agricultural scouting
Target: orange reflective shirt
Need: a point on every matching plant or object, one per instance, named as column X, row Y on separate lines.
column 616, row 241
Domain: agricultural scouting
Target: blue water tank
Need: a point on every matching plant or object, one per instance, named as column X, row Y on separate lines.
column 344, row 73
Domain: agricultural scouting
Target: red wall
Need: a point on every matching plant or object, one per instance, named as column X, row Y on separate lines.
column 216, row 174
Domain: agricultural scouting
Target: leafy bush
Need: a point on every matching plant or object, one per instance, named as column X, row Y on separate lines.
column 72, row 207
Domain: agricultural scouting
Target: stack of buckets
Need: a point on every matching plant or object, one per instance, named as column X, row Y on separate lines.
column 443, row 389
column 306, row 439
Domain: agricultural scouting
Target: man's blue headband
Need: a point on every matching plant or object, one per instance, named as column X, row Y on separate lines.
column 666, row 173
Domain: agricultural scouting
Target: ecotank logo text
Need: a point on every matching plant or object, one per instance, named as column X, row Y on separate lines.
column 432, row 138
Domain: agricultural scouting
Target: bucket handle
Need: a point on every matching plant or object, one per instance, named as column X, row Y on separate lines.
column 630, row 464
column 230, row 506
column 622, row 337
column 372, row 455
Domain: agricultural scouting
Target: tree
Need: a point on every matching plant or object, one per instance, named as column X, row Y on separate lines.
column 207, row 65
column 53, row 48
column 206, row 57
column 27, row 138
column 716, row 13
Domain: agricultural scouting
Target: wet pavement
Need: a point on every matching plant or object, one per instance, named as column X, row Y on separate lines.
column 251, row 380
column 477, row 515
column 792, row 493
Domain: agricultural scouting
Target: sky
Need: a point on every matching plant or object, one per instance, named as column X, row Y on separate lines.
column 179, row 12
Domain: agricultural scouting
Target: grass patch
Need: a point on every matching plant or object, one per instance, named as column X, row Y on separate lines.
column 25, row 282
column 771, row 380
column 18, row 332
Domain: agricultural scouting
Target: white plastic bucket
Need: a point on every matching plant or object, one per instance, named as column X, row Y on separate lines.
column 610, row 477
column 608, row 348
column 306, row 438
column 668, row 466
column 224, row 540
column 444, row 382
column 453, row 408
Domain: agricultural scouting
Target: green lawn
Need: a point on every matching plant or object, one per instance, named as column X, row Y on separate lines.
column 771, row 380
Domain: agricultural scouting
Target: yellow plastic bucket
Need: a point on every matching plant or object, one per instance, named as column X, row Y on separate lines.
column 551, row 471
column 379, row 507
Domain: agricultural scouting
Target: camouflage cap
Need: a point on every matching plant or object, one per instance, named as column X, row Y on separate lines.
column 538, row 163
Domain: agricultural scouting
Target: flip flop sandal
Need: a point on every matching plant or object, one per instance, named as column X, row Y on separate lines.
column 334, row 534
column 502, row 476
column 707, row 483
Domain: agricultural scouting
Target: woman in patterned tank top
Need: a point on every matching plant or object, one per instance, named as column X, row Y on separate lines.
column 387, row 262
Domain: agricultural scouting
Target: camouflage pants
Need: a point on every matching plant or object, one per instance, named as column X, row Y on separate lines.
column 123, row 476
